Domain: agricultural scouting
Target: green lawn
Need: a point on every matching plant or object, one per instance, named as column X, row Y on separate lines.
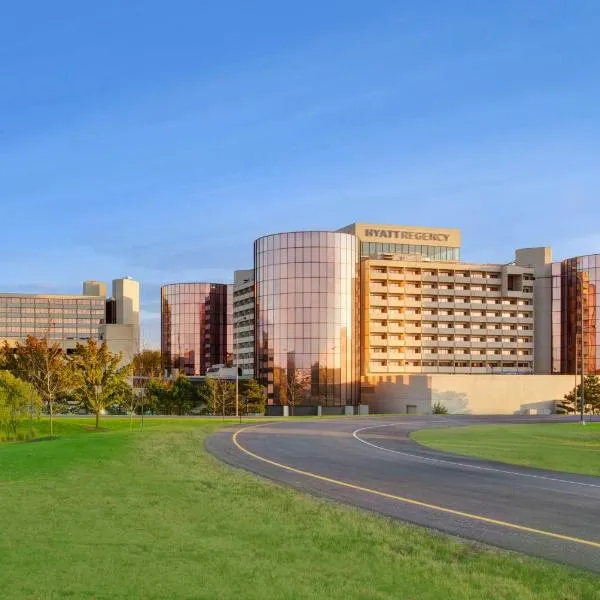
column 556, row 446
column 150, row 514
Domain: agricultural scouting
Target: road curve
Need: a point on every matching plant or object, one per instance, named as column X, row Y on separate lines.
column 372, row 463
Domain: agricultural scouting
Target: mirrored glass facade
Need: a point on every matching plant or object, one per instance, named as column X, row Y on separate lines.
column 374, row 249
column 196, row 326
column 307, row 328
column 575, row 298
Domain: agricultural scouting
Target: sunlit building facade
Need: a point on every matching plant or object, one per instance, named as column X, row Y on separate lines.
column 243, row 321
column 71, row 319
column 446, row 317
column 307, row 317
column 575, row 326
column 196, row 327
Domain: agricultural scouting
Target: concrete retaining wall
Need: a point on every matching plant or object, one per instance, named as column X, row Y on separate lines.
column 466, row 394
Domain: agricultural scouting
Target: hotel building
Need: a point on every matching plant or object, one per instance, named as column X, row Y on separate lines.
column 388, row 316
column 422, row 316
column 69, row 319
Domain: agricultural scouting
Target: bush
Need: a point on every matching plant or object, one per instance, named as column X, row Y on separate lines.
column 17, row 400
column 439, row 409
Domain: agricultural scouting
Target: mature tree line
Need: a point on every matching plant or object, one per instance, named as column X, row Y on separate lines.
column 91, row 377
column 180, row 396
column 38, row 373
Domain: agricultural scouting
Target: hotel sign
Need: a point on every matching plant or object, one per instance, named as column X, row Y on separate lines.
column 394, row 234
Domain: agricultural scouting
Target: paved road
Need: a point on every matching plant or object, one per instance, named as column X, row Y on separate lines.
column 372, row 463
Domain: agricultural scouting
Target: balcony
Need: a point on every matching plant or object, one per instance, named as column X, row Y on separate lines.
column 397, row 301
column 375, row 301
column 412, row 329
column 412, row 303
column 395, row 276
column 395, row 288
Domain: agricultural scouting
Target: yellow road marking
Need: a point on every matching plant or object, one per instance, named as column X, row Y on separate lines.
column 405, row 500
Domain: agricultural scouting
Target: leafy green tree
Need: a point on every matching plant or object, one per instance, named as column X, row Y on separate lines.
column 158, row 396
column 98, row 375
column 184, row 394
column 17, row 399
column 572, row 401
column 253, row 395
column 204, row 392
column 439, row 409
column 44, row 366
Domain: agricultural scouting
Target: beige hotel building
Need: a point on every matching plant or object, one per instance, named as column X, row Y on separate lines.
column 422, row 315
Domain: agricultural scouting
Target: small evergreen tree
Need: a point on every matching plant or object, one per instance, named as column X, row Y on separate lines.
column 571, row 403
column 254, row 396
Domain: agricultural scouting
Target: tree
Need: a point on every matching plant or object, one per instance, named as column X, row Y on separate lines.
column 213, row 395
column 147, row 363
column 204, row 391
column 572, row 401
column 254, row 396
column 44, row 366
column 184, row 394
column 158, row 395
column 297, row 385
column 439, row 409
column 124, row 395
column 98, row 375
column 221, row 397
column 16, row 399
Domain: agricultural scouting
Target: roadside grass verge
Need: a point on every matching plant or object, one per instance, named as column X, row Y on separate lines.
column 150, row 514
column 568, row 447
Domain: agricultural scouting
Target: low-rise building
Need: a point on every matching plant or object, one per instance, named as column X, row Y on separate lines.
column 69, row 319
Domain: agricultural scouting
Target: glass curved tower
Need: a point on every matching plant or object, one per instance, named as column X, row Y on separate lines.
column 307, row 329
column 196, row 324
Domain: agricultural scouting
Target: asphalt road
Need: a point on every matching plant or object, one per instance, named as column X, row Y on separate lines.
column 373, row 464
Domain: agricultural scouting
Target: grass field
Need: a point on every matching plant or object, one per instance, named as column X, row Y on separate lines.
column 121, row 514
column 556, row 446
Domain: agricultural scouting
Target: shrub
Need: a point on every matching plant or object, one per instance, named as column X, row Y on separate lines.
column 439, row 409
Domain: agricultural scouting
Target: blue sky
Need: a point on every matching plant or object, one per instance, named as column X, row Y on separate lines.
column 158, row 140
